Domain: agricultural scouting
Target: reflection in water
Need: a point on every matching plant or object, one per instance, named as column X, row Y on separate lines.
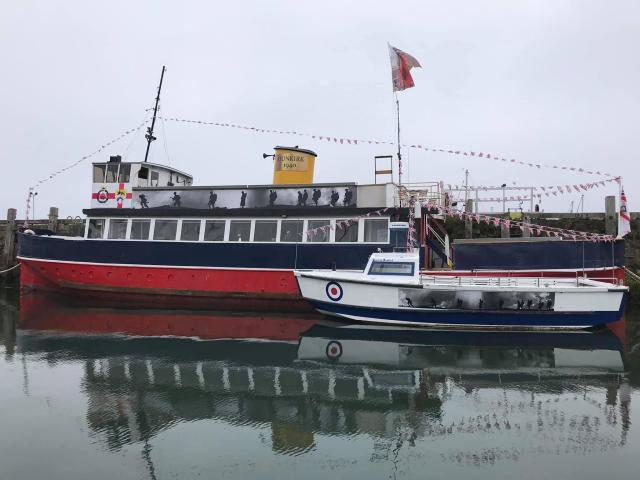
column 474, row 398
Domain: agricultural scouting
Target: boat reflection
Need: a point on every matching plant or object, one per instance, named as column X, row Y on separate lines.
column 305, row 377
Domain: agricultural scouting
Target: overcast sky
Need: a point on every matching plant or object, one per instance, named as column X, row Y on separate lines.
column 541, row 81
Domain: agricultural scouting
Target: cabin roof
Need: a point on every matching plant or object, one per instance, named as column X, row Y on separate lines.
column 294, row 212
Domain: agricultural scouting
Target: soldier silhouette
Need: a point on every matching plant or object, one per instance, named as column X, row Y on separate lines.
column 335, row 196
column 305, row 197
column 176, row 200
column 348, row 195
column 143, row 201
column 272, row 197
column 213, row 197
column 243, row 199
column 316, row 196
column 299, row 198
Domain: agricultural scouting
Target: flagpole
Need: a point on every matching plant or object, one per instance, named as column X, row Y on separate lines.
column 399, row 154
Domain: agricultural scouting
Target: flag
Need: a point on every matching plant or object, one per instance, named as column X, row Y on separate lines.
column 401, row 65
column 624, row 221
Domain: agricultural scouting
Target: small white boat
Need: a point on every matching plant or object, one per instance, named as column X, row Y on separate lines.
column 391, row 290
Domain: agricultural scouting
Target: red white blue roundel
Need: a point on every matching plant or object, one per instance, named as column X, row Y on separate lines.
column 334, row 291
column 334, row 350
column 103, row 195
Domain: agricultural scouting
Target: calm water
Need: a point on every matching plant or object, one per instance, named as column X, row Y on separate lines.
column 126, row 394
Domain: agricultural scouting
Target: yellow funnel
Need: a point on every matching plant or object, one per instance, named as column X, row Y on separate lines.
column 293, row 165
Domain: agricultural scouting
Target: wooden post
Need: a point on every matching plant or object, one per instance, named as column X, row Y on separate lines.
column 468, row 223
column 504, row 231
column 53, row 219
column 9, row 238
column 525, row 230
column 610, row 226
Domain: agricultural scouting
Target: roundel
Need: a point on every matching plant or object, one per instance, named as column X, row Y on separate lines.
column 103, row 195
column 334, row 291
column 334, row 350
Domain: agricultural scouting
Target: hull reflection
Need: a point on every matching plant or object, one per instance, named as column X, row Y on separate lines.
column 393, row 385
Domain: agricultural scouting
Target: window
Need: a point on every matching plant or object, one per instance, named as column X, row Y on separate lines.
column 125, row 173
column 239, row 230
column 291, row 231
column 214, row 230
column 376, row 230
column 391, row 268
column 165, row 230
column 98, row 173
column 319, row 235
column 265, row 231
column 96, row 228
column 117, row 229
column 190, row 230
column 346, row 231
column 154, row 178
column 112, row 172
column 140, row 229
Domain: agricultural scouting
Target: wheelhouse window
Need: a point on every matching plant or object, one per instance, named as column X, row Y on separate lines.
column 155, row 177
column 239, row 230
column 98, row 173
column 165, row 230
column 346, row 231
column 376, row 230
column 391, row 268
column 291, row 231
column 117, row 229
column 140, row 229
column 190, row 230
column 124, row 175
column 265, row 231
column 318, row 230
column 112, row 172
column 96, row 228
column 214, row 230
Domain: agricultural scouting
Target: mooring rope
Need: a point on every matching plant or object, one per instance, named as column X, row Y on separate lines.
column 9, row 269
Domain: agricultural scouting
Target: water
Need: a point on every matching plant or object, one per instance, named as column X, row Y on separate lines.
column 102, row 394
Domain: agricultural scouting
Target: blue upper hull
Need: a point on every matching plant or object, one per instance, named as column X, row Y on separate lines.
column 468, row 318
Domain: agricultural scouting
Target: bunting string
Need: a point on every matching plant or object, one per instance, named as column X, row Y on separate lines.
column 525, row 227
column 52, row 175
column 354, row 141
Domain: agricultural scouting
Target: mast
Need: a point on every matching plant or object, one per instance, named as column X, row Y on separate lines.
column 149, row 136
column 399, row 154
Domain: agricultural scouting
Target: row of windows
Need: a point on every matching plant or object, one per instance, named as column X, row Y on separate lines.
column 370, row 230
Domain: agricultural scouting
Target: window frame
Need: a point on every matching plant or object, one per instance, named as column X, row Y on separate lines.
column 149, row 236
column 153, row 233
column 126, row 228
column 378, row 262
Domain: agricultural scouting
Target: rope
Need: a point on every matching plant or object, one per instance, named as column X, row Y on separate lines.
column 633, row 275
column 9, row 269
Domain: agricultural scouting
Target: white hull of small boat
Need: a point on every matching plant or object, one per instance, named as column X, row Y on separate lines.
column 392, row 291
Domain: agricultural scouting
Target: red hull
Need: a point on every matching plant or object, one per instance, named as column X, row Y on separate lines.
column 166, row 286
column 272, row 290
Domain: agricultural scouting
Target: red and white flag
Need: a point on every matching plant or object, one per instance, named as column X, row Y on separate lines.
column 624, row 220
column 401, row 65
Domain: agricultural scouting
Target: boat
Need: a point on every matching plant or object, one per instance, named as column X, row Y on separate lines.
column 392, row 290
column 153, row 237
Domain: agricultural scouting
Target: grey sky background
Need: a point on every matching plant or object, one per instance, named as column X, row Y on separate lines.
column 540, row 81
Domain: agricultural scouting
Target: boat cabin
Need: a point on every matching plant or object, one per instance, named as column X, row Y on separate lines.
column 113, row 181
column 402, row 264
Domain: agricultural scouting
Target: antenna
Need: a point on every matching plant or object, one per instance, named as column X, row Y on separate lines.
column 149, row 136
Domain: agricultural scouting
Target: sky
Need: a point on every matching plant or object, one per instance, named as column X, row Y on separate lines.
column 546, row 81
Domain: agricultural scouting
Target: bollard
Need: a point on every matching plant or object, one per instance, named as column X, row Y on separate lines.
column 9, row 239
column 53, row 219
